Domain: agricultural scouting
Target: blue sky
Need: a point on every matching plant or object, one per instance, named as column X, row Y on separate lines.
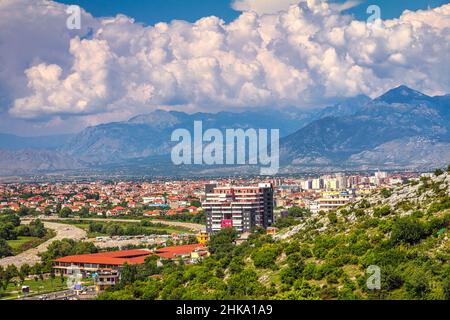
column 152, row 11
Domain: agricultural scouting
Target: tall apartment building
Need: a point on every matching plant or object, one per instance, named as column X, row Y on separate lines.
column 317, row 184
column 242, row 208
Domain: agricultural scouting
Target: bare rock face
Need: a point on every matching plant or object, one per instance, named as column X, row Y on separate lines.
column 401, row 129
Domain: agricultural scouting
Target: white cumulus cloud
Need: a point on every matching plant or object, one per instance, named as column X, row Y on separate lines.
column 305, row 55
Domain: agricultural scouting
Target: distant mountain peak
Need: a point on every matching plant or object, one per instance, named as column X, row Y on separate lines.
column 402, row 94
column 158, row 119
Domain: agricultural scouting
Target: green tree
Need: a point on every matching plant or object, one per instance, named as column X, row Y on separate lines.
column 37, row 229
column 9, row 273
column 222, row 243
column 386, row 193
column 7, row 231
column 418, row 284
column 446, row 287
column 23, row 211
column 196, row 203
column 332, row 217
column 65, row 212
column 25, row 269
column 408, row 230
column 5, row 249
column 84, row 212
column 245, row 285
column 265, row 257
column 129, row 274
column 151, row 290
column 297, row 212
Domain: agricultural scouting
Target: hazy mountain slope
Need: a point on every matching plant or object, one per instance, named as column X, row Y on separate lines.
column 34, row 161
column 403, row 128
column 13, row 142
column 150, row 135
column 377, row 130
column 414, row 152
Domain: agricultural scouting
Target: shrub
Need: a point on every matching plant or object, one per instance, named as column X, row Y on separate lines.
column 418, row 284
column 5, row 249
column 293, row 247
column 265, row 257
column 332, row 217
column 408, row 230
column 382, row 211
column 386, row 193
column 391, row 279
column 298, row 212
column 443, row 204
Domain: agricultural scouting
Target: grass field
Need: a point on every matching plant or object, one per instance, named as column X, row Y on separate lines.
column 36, row 287
column 23, row 243
column 19, row 242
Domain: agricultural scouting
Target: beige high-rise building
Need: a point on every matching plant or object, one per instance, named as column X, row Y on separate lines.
column 242, row 208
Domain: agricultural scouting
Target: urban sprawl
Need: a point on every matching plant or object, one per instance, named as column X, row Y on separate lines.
column 167, row 220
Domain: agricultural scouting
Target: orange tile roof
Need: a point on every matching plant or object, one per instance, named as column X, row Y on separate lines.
column 136, row 256
column 113, row 258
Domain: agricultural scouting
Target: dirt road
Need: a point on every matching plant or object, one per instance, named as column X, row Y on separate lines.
column 31, row 256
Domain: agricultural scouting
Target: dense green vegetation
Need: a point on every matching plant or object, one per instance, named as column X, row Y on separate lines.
column 328, row 257
column 11, row 230
column 199, row 218
column 120, row 228
column 294, row 217
column 131, row 229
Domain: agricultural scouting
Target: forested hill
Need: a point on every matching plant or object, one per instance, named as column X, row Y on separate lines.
column 404, row 232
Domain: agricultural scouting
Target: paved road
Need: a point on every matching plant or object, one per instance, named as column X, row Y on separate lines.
column 65, row 295
column 192, row 226
column 31, row 256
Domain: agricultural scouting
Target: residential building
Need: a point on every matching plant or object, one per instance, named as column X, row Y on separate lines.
column 334, row 199
column 240, row 207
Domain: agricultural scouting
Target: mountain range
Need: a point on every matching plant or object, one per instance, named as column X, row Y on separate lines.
column 402, row 129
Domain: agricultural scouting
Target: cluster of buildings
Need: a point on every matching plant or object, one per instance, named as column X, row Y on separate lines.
column 259, row 203
column 105, row 267
column 239, row 203
column 328, row 192
column 243, row 203
column 104, row 198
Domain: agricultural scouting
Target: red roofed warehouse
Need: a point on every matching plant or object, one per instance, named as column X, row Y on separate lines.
column 91, row 263
column 101, row 261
